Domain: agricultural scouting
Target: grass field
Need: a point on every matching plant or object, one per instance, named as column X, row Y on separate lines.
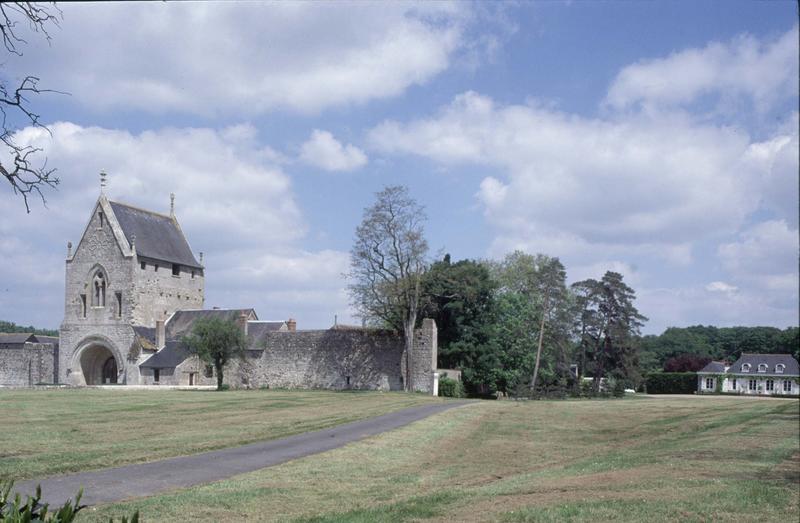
column 45, row 432
column 648, row 458
column 653, row 459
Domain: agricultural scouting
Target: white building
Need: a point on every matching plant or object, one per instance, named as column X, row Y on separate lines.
column 765, row 374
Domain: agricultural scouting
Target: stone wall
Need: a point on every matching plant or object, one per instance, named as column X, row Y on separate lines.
column 325, row 359
column 28, row 364
column 158, row 293
column 337, row 359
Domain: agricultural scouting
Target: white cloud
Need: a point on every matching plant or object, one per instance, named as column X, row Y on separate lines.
column 245, row 57
column 721, row 286
column 766, row 253
column 326, row 152
column 579, row 181
column 763, row 71
column 233, row 203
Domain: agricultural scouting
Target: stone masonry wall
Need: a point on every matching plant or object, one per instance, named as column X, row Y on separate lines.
column 325, row 359
column 24, row 365
column 337, row 359
column 157, row 293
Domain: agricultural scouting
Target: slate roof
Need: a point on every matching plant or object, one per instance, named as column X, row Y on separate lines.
column 791, row 366
column 714, row 367
column 172, row 355
column 180, row 323
column 17, row 337
column 256, row 330
column 47, row 339
column 157, row 236
column 146, row 336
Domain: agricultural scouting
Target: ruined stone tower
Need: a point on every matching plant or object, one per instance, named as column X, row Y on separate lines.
column 130, row 269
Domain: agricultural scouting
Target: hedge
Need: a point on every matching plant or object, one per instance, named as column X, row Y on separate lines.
column 671, row 383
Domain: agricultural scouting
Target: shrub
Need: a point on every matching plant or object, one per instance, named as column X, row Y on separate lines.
column 13, row 509
column 224, row 386
column 671, row 383
column 618, row 388
column 450, row 388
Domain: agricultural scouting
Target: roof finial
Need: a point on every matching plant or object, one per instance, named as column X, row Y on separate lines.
column 172, row 204
column 102, row 180
column 201, row 258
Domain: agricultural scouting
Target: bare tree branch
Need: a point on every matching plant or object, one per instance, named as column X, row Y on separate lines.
column 19, row 166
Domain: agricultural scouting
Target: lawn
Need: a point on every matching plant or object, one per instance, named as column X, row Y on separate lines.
column 648, row 458
column 45, row 432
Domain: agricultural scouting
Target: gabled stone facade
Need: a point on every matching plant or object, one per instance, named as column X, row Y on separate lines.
column 110, row 288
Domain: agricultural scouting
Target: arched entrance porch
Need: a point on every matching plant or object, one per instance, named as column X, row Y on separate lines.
column 99, row 366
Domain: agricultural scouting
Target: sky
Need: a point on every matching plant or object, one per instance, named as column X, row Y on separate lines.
column 655, row 139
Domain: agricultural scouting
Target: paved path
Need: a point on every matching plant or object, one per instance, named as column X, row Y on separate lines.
column 146, row 479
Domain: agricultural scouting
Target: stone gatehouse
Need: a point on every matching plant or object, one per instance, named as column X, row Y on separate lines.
column 134, row 287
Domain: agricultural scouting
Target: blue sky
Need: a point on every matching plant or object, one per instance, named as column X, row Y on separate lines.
column 658, row 139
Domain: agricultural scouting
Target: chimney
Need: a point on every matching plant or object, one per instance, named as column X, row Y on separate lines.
column 160, row 334
column 291, row 324
column 242, row 322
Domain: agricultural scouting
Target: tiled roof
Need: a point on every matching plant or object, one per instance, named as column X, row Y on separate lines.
column 181, row 322
column 256, row 330
column 17, row 337
column 790, row 364
column 173, row 354
column 157, row 236
column 715, row 367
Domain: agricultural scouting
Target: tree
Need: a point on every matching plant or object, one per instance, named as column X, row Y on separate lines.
column 459, row 297
column 542, row 279
column 609, row 326
column 216, row 341
column 20, row 171
column 387, row 262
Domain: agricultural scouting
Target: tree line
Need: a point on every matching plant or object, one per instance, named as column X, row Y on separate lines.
column 512, row 326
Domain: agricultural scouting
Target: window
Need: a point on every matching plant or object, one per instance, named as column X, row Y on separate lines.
column 745, row 367
column 155, row 267
column 209, row 371
column 770, row 385
column 99, row 290
column 751, row 384
column 762, row 367
column 83, row 305
column 779, row 368
column 787, row 386
column 192, row 274
column 143, row 265
column 102, row 218
column 119, row 304
column 709, row 383
column 156, row 375
column 176, row 269
column 734, row 383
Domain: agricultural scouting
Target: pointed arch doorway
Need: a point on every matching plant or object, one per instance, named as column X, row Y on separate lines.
column 99, row 366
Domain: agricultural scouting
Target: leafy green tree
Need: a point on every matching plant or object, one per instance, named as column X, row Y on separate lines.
column 460, row 297
column 609, row 327
column 540, row 279
column 216, row 341
column 387, row 262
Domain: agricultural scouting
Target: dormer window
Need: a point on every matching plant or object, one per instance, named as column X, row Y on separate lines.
column 779, row 368
column 745, row 367
column 762, row 367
